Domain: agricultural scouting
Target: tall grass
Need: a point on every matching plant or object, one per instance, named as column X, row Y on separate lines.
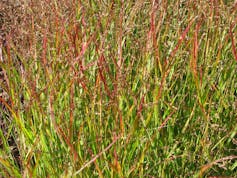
column 121, row 89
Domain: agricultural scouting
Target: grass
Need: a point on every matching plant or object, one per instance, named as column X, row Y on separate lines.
column 121, row 89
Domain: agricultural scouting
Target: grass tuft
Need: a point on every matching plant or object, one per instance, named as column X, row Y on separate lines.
column 118, row 88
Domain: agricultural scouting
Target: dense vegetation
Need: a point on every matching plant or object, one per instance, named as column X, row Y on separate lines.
column 118, row 88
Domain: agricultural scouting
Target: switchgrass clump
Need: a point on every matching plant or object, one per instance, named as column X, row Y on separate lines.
column 121, row 89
